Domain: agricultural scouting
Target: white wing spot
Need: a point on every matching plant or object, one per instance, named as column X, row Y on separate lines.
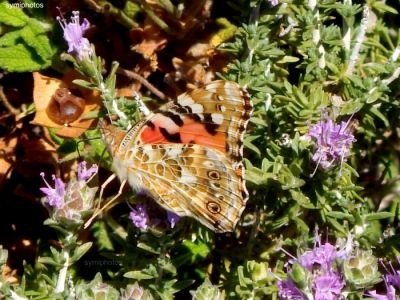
column 208, row 164
column 185, row 100
column 197, row 108
column 174, row 153
column 187, row 177
column 211, row 154
column 217, row 118
column 222, row 108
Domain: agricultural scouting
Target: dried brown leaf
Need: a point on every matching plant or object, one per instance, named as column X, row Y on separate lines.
column 43, row 91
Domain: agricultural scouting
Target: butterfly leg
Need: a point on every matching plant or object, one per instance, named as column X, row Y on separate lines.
column 99, row 209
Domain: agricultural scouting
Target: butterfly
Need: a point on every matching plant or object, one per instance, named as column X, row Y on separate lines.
column 187, row 155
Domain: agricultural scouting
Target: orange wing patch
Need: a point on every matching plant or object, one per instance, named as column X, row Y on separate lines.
column 161, row 131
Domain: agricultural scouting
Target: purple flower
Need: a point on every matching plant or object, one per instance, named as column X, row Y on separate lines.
column 55, row 196
column 321, row 279
column 328, row 286
column 323, row 255
column 333, row 142
column 392, row 281
column 288, row 290
column 173, row 218
column 73, row 35
column 391, row 294
column 84, row 173
column 273, row 2
column 394, row 277
column 139, row 216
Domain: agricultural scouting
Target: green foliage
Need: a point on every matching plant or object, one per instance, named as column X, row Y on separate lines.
column 25, row 46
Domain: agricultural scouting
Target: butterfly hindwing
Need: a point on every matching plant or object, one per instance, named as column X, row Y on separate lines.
column 190, row 180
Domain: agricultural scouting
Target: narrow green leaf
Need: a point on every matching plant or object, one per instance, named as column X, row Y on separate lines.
column 80, row 251
column 138, row 275
column 251, row 146
column 258, row 121
column 379, row 215
column 85, row 84
column 48, row 261
column 147, row 248
column 288, row 59
column 377, row 113
column 381, row 6
column 340, row 215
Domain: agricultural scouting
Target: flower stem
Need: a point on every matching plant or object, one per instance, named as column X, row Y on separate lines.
column 346, row 29
column 62, row 275
column 359, row 40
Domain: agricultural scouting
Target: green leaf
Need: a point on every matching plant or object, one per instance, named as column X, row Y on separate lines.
column 80, row 251
column 301, row 199
column 288, row 59
column 379, row 215
column 351, row 107
column 138, row 275
column 102, row 236
column 10, row 38
column 382, row 7
column 258, row 121
column 35, row 36
column 85, row 84
column 147, row 248
column 340, row 215
column 20, row 58
column 377, row 113
column 48, row 261
column 11, row 15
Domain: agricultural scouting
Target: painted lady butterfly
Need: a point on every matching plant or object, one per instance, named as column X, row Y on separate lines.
column 187, row 155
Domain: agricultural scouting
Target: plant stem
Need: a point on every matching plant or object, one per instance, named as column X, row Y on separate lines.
column 359, row 40
column 62, row 275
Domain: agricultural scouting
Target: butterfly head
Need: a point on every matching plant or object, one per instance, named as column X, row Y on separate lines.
column 110, row 135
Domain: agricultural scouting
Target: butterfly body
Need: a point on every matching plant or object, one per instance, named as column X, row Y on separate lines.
column 187, row 155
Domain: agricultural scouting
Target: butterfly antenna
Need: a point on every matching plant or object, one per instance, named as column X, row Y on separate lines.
column 109, row 203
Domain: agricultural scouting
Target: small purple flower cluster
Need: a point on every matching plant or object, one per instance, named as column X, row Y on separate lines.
column 68, row 201
column 140, row 217
column 85, row 174
column 392, row 281
column 55, row 196
column 322, row 280
column 73, row 35
column 333, row 142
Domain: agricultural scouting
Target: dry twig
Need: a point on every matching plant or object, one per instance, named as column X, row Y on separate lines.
column 143, row 81
column 7, row 104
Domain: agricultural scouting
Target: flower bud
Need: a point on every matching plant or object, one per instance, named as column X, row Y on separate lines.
column 361, row 270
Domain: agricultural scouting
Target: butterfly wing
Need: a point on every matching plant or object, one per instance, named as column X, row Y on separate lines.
column 214, row 116
column 191, row 180
column 176, row 151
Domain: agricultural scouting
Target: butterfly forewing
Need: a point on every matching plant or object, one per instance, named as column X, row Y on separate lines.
column 187, row 155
